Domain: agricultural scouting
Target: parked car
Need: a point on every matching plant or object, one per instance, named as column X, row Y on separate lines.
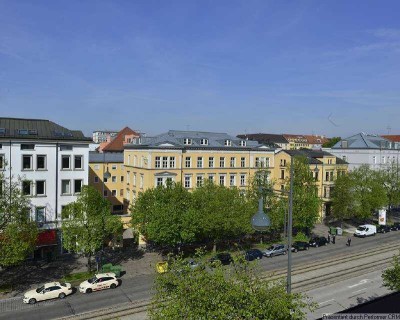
column 383, row 229
column 318, row 241
column 253, row 254
column 275, row 250
column 300, row 245
column 51, row 290
column 395, row 226
column 365, row 230
column 99, row 282
column 224, row 258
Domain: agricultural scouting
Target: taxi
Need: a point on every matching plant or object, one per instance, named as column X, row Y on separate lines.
column 51, row 290
column 99, row 282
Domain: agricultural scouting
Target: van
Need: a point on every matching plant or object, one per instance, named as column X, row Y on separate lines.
column 365, row 230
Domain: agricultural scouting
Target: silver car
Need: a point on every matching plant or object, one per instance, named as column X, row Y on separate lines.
column 275, row 250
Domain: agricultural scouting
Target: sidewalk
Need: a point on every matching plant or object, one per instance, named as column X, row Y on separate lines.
column 22, row 278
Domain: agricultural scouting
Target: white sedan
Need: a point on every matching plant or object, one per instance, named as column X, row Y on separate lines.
column 99, row 282
column 51, row 290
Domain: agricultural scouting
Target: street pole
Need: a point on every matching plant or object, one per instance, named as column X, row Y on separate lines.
column 290, row 222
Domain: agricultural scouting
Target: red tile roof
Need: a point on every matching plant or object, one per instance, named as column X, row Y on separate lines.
column 117, row 144
column 393, row 137
column 316, row 139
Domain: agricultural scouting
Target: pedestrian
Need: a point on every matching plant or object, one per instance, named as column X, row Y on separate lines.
column 333, row 239
column 329, row 238
column 348, row 241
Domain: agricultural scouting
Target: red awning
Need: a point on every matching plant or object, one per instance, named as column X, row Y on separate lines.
column 46, row 238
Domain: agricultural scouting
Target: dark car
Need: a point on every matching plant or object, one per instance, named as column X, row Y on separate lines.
column 395, row 226
column 383, row 229
column 253, row 254
column 275, row 250
column 300, row 245
column 318, row 241
column 224, row 258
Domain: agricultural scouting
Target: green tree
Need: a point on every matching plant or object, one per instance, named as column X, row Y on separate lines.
column 18, row 234
column 306, row 202
column 391, row 276
column 165, row 216
column 218, row 292
column 391, row 183
column 343, row 197
column 331, row 142
column 368, row 190
column 88, row 222
column 224, row 212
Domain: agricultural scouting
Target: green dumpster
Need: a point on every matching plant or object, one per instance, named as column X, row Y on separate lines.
column 332, row 230
column 107, row 267
column 117, row 270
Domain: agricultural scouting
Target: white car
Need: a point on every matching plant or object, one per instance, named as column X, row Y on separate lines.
column 365, row 230
column 99, row 282
column 51, row 290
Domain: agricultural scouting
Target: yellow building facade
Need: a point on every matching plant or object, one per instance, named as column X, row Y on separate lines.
column 325, row 167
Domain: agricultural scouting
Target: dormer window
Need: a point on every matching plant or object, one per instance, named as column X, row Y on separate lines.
column 204, row 142
column 228, row 143
column 242, row 143
column 187, row 141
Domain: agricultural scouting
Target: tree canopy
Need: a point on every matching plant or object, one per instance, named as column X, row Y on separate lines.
column 391, row 276
column 332, row 141
column 88, row 222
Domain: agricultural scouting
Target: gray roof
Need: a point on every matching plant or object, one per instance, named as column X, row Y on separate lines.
column 313, row 155
column 97, row 157
column 264, row 137
column 175, row 139
column 37, row 129
column 363, row 141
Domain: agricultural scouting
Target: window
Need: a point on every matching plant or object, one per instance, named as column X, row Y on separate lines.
column 211, row 178
column 187, row 162
column 2, row 162
column 134, row 179
column 114, row 193
column 232, row 180
column 65, row 187
column 222, row 162
column 65, row 147
column 141, row 181
column 242, row 143
column 158, row 162
column 329, row 161
column 344, row 158
column 282, row 174
column 233, row 160
column 96, row 179
column 41, row 188
column 262, row 162
column 114, row 179
column 96, row 167
column 188, row 181
column 329, row 176
column 114, row 167
column 222, row 180
column 374, row 159
column 159, row 181
column 199, row 181
column 199, row 162
column 204, row 142
column 283, row 162
column 172, row 162
column 78, row 186
column 78, row 165
column 41, row 162
column 316, row 176
column 257, row 162
column 187, row 141
column 122, row 178
column 211, row 162
column 228, row 143
column 27, row 188
column 165, row 162
column 27, row 147
column 40, row 214
column 128, row 177
column 26, row 162
column 326, row 192
column 129, row 159
column 242, row 180
column 242, row 162
column 383, row 159
column 65, row 162
column 118, row 208
column 105, row 193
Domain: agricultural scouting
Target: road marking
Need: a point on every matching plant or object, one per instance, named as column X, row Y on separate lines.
column 326, row 301
column 364, row 281
column 359, row 290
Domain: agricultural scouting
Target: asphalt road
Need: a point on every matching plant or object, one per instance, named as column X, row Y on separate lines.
column 138, row 288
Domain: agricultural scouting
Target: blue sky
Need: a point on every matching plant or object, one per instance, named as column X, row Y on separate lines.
column 326, row 67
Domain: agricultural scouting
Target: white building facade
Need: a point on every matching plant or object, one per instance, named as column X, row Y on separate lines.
column 48, row 161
